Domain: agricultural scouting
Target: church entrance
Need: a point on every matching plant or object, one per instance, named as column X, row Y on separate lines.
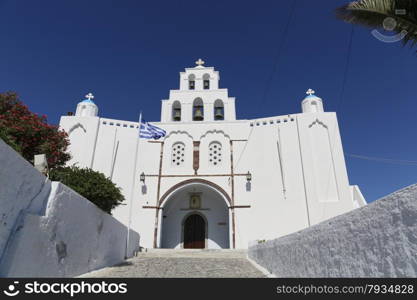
column 195, row 215
column 194, row 232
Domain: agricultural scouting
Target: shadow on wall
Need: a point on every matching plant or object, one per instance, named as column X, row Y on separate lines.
column 48, row 230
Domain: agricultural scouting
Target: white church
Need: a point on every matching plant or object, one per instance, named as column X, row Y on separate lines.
column 214, row 181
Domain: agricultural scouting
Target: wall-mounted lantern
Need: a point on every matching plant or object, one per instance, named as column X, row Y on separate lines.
column 142, row 178
column 249, row 177
column 248, row 181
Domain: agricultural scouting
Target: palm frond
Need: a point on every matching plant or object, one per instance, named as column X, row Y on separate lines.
column 372, row 13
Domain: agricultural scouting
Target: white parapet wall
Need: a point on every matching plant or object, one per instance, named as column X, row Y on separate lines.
column 22, row 187
column 377, row 240
column 48, row 230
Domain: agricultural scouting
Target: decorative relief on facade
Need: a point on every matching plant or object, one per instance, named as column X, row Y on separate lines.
column 215, row 154
column 178, row 154
column 76, row 126
column 196, row 156
column 195, row 201
column 325, row 174
column 317, row 121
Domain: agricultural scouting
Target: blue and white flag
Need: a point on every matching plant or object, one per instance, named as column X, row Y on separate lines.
column 149, row 131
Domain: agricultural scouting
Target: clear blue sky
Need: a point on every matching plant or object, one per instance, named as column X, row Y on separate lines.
column 128, row 53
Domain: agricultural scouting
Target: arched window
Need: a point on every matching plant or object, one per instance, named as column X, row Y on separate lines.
column 198, row 110
column 206, row 81
column 191, row 82
column 215, row 153
column 83, row 111
column 178, row 154
column 218, row 110
column 314, row 108
column 176, row 111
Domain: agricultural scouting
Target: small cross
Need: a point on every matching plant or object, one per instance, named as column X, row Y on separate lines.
column 89, row 96
column 200, row 62
column 310, row 92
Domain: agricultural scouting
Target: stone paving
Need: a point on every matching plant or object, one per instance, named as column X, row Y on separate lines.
column 169, row 263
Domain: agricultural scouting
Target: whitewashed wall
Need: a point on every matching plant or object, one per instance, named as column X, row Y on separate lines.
column 297, row 162
column 22, row 188
column 48, row 230
column 307, row 185
column 378, row 240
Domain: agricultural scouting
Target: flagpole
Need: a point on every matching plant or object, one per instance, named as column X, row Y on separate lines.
column 132, row 190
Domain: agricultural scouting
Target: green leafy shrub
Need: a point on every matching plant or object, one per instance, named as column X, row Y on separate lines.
column 9, row 140
column 94, row 186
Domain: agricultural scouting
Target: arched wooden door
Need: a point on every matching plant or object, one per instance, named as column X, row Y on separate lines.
column 194, row 232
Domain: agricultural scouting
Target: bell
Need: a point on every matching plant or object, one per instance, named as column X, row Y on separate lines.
column 177, row 114
column 191, row 85
column 219, row 113
column 198, row 114
column 206, row 84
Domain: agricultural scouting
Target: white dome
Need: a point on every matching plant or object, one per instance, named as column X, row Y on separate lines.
column 312, row 103
column 87, row 108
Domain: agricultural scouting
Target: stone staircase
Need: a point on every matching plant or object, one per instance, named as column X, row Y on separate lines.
column 184, row 263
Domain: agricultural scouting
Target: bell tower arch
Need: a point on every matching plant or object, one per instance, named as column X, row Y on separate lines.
column 199, row 82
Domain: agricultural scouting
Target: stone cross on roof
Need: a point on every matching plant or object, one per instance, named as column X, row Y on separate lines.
column 310, row 92
column 200, row 62
column 89, row 96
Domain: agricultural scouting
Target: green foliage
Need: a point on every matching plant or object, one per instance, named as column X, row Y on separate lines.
column 9, row 140
column 372, row 13
column 30, row 134
column 90, row 184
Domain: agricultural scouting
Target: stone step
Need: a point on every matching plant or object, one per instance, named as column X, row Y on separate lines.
column 183, row 263
column 190, row 250
column 237, row 253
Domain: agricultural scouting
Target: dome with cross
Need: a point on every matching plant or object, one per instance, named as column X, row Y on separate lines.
column 87, row 108
column 312, row 103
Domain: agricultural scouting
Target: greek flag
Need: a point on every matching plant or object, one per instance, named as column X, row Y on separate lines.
column 149, row 131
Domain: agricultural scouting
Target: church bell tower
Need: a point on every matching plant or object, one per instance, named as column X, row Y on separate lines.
column 199, row 98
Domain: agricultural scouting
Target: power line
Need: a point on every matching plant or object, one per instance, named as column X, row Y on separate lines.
column 274, row 68
column 346, row 71
column 278, row 54
column 244, row 147
column 384, row 160
column 341, row 98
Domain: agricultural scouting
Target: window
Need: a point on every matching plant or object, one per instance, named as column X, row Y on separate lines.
column 191, row 82
column 178, row 154
column 314, row 108
column 198, row 110
column 215, row 154
column 176, row 111
column 218, row 110
column 82, row 110
column 206, row 81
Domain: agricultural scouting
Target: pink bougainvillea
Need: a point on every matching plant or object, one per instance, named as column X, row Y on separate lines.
column 30, row 133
